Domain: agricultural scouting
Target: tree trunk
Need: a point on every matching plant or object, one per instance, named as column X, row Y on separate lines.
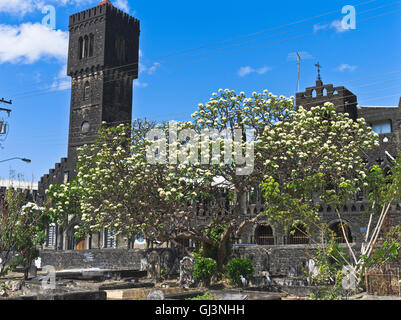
column 221, row 256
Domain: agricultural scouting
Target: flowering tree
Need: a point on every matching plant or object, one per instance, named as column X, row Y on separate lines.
column 190, row 180
column 320, row 158
column 22, row 230
column 317, row 157
column 161, row 196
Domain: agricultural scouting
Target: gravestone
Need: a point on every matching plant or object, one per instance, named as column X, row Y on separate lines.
column 144, row 264
column 234, row 296
column 186, row 269
column 156, row 295
column 313, row 270
column 350, row 279
column 167, row 260
column 153, row 266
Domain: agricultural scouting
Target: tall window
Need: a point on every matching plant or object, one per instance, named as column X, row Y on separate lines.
column 109, row 239
column 91, row 44
column 66, row 176
column 86, row 46
column 80, row 48
column 51, row 236
column 87, row 91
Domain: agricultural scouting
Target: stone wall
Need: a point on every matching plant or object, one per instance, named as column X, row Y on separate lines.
column 115, row 259
column 276, row 260
column 279, row 260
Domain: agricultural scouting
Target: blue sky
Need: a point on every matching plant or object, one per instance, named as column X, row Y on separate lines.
column 366, row 60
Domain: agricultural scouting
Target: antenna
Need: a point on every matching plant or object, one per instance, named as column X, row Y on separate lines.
column 299, row 64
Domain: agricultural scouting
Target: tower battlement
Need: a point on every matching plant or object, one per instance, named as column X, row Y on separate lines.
column 101, row 11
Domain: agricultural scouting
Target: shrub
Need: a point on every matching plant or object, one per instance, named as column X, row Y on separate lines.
column 237, row 268
column 206, row 296
column 204, row 269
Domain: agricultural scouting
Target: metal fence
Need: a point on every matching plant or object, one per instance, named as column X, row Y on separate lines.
column 383, row 282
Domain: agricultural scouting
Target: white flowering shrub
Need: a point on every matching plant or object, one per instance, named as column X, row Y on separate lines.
column 22, row 231
column 317, row 156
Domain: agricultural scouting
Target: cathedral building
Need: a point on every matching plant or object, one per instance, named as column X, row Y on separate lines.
column 103, row 62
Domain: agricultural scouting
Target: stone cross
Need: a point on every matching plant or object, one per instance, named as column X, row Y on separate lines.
column 318, row 66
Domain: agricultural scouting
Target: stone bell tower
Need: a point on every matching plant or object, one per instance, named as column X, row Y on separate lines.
column 343, row 99
column 102, row 62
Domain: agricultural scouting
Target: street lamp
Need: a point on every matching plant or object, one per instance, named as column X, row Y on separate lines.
column 17, row 158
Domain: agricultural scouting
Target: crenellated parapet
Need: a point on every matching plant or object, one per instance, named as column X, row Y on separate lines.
column 58, row 175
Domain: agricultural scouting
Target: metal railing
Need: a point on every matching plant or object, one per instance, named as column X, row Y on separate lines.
column 383, row 282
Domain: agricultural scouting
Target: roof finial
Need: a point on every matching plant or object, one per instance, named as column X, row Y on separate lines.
column 105, row 2
column 318, row 66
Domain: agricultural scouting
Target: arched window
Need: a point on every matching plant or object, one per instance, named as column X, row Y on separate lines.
column 264, row 235
column 86, row 46
column 314, row 93
column 80, row 48
column 298, row 235
column 87, row 91
column 91, row 44
column 85, row 127
column 339, row 234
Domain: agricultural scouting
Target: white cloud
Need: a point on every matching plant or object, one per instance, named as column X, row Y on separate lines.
column 123, row 5
column 244, row 71
column 318, row 27
column 62, row 82
column 22, row 7
column 336, row 25
column 148, row 70
column 28, row 43
column 346, row 67
column 138, row 84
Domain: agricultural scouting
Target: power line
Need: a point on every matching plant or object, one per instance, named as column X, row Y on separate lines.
column 249, row 35
column 186, row 114
column 346, row 96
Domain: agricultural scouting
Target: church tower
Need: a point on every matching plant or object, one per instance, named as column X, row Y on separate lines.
column 343, row 99
column 102, row 62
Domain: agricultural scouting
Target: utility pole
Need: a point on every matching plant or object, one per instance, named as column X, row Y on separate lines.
column 299, row 67
column 7, row 102
column 3, row 124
